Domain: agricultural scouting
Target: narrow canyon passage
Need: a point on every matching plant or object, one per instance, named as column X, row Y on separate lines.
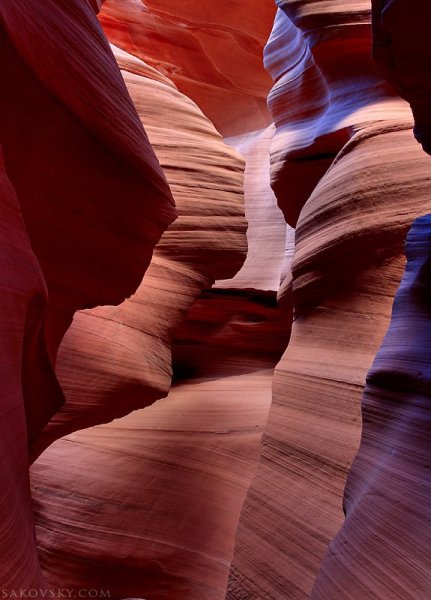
column 194, row 453
column 205, row 209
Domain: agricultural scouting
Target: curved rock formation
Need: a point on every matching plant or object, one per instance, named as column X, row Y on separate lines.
column 116, row 359
column 78, row 158
column 318, row 55
column 381, row 550
column 267, row 237
column 165, row 447
column 28, row 385
column 83, row 201
column 212, row 51
column 193, row 454
column 294, row 506
column 146, row 503
column 164, row 486
column 347, row 264
column 402, row 52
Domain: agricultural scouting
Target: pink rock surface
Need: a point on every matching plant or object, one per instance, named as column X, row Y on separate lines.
column 165, row 485
column 199, row 445
column 162, row 489
column 116, row 359
column 201, row 425
column 348, row 260
column 380, row 551
column 194, row 43
column 267, row 236
column 181, row 500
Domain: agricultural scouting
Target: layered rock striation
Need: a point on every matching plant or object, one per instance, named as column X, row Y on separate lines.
column 182, row 466
column 83, row 201
column 380, row 551
column 117, row 359
column 27, row 377
column 348, row 174
column 179, row 498
column 93, row 196
column 212, row 51
column 199, row 446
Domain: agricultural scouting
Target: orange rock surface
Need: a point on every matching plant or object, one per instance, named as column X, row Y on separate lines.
column 185, row 369
column 212, row 51
column 201, row 444
column 117, row 359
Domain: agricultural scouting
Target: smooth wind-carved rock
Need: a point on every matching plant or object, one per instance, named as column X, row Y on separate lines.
column 212, row 51
column 380, row 551
column 28, row 384
column 183, row 466
column 93, row 196
column 189, row 459
column 116, row 359
column 367, row 181
column 105, row 294
column 83, row 202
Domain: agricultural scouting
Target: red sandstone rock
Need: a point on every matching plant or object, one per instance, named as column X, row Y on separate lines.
column 380, row 551
column 29, row 390
column 319, row 58
column 91, row 202
column 212, row 51
column 116, row 359
column 162, row 488
column 347, row 263
column 196, row 443
column 93, row 196
column 200, row 446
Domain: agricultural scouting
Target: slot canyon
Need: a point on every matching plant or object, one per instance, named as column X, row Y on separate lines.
column 214, row 314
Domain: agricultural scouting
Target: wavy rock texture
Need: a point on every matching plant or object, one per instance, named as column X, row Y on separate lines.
column 93, row 196
column 146, row 503
column 318, row 55
column 269, row 243
column 117, row 359
column 293, row 508
column 212, row 51
column 188, row 459
column 24, row 360
column 83, row 201
column 381, row 549
column 199, row 446
column 347, row 264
